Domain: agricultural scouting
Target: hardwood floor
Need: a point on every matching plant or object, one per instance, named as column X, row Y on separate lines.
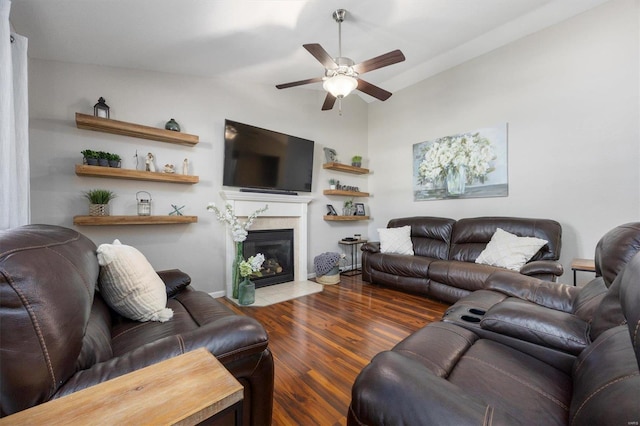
column 322, row 341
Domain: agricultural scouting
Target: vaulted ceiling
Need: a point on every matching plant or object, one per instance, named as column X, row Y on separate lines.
column 260, row 41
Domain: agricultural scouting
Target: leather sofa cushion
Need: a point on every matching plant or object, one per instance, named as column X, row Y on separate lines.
column 445, row 374
column 470, row 236
column 174, row 280
column 430, row 235
column 401, row 265
column 463, row 275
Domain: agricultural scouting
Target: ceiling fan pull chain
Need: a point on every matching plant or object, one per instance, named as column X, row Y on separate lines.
column 340, row 107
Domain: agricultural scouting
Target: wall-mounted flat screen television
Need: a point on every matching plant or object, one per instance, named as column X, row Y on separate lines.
column 266, row 160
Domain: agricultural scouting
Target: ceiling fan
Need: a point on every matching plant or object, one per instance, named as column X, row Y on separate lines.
column 342, row 74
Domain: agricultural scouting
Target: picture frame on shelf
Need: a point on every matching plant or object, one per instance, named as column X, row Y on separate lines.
column 359, row 209
column 331, row 210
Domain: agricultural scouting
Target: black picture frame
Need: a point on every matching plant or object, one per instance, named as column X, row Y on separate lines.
column 360, row 209
column 331, row 210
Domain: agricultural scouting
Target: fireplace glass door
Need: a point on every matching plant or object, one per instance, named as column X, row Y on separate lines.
column 277, row 247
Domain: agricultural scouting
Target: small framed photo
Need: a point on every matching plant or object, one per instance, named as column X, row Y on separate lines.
column 331, row 210
column 360, row 209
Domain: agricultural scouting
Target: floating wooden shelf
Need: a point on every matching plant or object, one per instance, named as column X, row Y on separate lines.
column 118, row 173
column 345, row 218
column 133, row 220
column 89, row 122
column 345, row 168
column 347, row 193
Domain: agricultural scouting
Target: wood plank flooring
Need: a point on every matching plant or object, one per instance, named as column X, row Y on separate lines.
column 322, row 341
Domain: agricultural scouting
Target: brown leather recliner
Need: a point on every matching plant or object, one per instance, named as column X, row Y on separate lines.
column 447, row 374
column 544, row 313
column 58, row 336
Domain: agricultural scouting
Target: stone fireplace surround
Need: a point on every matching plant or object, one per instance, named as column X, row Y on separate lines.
column 284, row 212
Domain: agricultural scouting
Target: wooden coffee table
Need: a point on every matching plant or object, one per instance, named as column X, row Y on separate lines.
column 184, row 390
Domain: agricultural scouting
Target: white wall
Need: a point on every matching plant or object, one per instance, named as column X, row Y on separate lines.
column 571, row 97
column 200, row 105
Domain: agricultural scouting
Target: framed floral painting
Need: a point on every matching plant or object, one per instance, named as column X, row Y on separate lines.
column 466, row 165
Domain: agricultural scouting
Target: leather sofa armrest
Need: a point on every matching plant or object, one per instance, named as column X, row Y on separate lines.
column 174, row 280
column 536, row 324
column 546, row 293
column 542, row 267
column 371, row 247
column 230, row 339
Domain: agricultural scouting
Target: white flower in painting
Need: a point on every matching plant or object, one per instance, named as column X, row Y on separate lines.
column 450, row 153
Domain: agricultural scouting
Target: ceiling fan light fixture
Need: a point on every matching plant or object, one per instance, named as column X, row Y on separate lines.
column 340, row 85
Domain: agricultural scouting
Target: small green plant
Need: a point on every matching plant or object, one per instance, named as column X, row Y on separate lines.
column 99, row 196
column 356, row 159
column 348, row 204
column 113, row 157
column 88, row 153
column 332, row 181
column 103, row 155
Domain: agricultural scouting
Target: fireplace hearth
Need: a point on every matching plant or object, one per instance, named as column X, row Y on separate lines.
column 277, row 247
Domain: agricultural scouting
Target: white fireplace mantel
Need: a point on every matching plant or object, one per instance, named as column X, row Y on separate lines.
column 285, row 211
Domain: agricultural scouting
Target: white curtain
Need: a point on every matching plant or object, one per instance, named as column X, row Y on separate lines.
column 14, row 125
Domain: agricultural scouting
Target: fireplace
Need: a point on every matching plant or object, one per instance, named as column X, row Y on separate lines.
column 285, row 212
column 277, row 247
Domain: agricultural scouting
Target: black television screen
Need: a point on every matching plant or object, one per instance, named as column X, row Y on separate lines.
column 264, row 159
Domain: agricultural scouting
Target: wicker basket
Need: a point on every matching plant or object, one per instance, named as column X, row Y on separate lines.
column 98, row 209
column 332, row 277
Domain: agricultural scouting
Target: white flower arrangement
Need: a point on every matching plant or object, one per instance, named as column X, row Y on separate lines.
column 238, row 229
column 252, row 266
column 450, row 153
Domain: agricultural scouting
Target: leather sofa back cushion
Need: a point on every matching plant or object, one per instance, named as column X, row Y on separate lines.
column 430, row 235
column 470, row 236
column 615, row 249
column 47, row 285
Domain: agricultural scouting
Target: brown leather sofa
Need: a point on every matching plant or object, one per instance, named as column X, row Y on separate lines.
column 447, row 374
column 444, row 267
column 544, row 313
column 58, row 336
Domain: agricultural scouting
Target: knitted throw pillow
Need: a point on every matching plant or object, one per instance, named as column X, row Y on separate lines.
column 129, row 284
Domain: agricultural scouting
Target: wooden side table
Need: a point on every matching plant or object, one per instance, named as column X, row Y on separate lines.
column 354, row 256
column 184, row 390
column 586, row 265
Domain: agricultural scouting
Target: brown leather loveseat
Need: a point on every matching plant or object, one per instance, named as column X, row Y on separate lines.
column 443, row 266
column 58, row 336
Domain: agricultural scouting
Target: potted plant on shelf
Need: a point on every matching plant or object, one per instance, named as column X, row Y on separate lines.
column 332, row 184
column 356, row 161
column 99, row 201
column 114, row 160
column 348, row 209
column 103, row 159
column 90, row 157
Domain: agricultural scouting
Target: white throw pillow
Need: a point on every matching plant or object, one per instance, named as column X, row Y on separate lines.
column 509, row 251
column 396, row 240
column 130, row 285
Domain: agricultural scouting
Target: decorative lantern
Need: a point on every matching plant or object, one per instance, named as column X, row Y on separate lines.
column 101, row 109
column 144, row 204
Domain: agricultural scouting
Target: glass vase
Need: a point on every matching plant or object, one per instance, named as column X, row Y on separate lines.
column 235, row 269
column 246, row 292
column 456, row 180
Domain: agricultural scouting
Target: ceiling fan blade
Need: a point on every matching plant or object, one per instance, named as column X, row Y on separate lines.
column 372, row 90
column 387, row 59
column 321, row 55
column 299, row 83
column 329, row 101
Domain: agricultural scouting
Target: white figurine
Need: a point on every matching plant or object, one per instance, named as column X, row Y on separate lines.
column 150, row 167
column 169, row 168
column 185, row 167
